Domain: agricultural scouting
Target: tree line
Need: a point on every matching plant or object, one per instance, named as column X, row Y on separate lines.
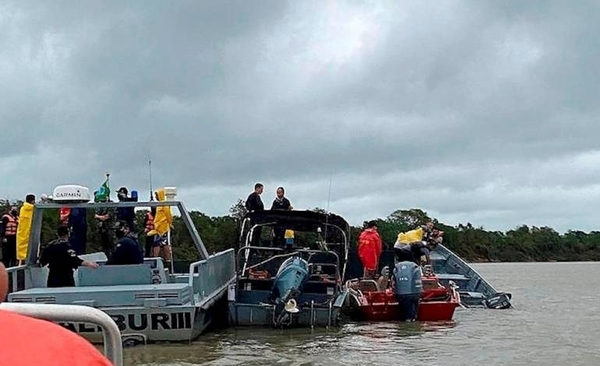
column 474, row 244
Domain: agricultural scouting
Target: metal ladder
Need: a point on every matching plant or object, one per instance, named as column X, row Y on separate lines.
column 113, row 348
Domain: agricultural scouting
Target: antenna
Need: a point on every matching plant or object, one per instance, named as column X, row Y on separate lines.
column 329, row 196
column 327, row 210
column 150, row 173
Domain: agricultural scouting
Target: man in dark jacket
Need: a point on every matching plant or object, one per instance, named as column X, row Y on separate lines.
column 127, row 250
column 62, row 260
column 283, row 204
column 254, row 203
column 126, row 214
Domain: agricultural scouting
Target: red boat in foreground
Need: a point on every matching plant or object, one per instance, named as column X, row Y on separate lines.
column 373, row 303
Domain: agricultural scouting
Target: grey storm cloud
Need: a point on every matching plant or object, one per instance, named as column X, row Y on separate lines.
column 475, row 111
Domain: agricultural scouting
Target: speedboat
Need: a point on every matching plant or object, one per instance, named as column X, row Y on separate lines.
column 148, row 301
column 367, row 300
column 296, row 283
column 473, row 289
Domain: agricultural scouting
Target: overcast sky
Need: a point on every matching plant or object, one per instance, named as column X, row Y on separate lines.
column 474, row 111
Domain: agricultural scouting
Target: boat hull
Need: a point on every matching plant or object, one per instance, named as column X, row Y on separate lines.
column 383, row 306
column 474, row 290
column 140, row 325
column 369, row 301
column 264, row 315
column 144, row 312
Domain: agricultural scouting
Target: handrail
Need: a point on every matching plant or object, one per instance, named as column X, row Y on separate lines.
column 209, row 262
column 113, row 348
column 191, row 272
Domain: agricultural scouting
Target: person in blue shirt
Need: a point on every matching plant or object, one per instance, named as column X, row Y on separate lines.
column 127, row 250
column 78, row 224
column 408, row 286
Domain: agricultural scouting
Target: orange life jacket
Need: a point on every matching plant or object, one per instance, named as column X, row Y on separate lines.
column 149, row 222
column 64, row 214
column 11, row 226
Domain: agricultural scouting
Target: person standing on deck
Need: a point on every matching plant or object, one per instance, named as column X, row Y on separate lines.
column 24, row 228
column 408, row 286
column 126, row 214
column 427, row 231
column 62, row 260
column 127, row 250
column 369, row 249
column 104, row 221
column 78, row 225
column 8, row 237
column 148, row 227
column 163, row 222
column 254, row 203
column 280, row 203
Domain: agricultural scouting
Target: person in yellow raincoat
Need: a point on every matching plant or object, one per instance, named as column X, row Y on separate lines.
column 163, row 220
column 24, row 228
column 402, row 247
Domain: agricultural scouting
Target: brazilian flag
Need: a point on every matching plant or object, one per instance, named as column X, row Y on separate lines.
column 102, row 194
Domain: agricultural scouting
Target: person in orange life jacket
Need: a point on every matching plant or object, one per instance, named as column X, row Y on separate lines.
column 369, row 249
column 254, row 203
column 149, row 226
column 28, row 341
column 61, row 260
column 8, row 235
column 63, row 217
column 283, row 204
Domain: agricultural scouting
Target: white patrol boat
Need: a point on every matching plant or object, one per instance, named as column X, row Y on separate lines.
column 147, row 302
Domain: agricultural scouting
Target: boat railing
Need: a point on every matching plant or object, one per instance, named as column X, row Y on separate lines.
column 246, row 255
column 213, row 274
column 113, row 348
column 245, row 267
column 17, row 278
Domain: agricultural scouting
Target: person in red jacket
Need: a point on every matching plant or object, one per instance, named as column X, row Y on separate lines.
column 369, row 249
column 28, row 341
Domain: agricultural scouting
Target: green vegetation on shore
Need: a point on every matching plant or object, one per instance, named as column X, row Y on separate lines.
column 474, row 244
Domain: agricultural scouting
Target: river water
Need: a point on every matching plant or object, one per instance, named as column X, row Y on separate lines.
column 555, row 321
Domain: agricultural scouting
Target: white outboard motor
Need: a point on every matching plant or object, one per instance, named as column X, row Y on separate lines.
column 71, row 193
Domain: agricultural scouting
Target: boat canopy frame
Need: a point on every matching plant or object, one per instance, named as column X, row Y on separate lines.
column 301, row 221
column 39, row 208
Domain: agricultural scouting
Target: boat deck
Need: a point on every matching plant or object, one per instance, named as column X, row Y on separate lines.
column 109, row 296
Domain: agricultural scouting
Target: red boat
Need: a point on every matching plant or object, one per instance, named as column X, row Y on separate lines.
column 374, row 303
